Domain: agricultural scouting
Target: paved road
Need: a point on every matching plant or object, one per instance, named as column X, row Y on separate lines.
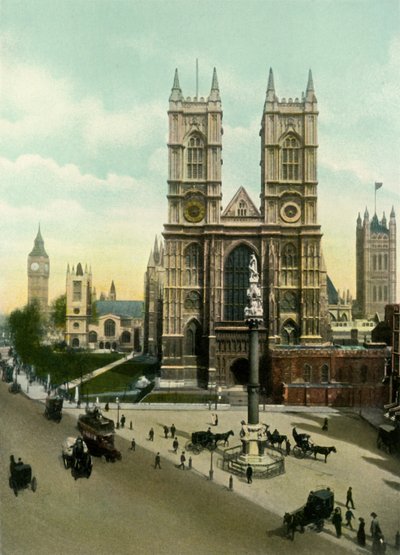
column 126, row 507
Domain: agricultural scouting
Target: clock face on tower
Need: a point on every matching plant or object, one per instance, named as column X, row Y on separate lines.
column 290, row 212
column 34, row 266
column 194, row 209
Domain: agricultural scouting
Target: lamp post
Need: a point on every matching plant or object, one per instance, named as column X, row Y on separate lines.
column 211, row 472
column 117, row 401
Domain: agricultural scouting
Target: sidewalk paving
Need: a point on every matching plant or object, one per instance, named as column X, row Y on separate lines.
column 280, row 494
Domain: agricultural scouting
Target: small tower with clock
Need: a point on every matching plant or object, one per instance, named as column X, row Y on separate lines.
column 38, row 274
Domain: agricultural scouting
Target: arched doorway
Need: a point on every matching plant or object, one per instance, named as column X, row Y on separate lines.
column 193, row 338
column 240, row 370
column 290, row 333
column 75, row 342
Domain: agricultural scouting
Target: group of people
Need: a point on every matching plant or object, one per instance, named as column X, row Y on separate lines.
column 175, row 446
column 378, row 544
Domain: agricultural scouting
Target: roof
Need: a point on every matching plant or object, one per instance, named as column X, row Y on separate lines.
column 38, row 247
column 333, row 297
column 125, row 309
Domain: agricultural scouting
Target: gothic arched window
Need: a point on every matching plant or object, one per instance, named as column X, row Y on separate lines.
column 289, row 256
column 193, row 339
column 193, row 264
column 109, row 328
column 195, row 158
column 325, row 373
column 92, row 337
column 291, row 158
column 236, row 283
column 307, row 373
column 242, row 208
column 126, row 337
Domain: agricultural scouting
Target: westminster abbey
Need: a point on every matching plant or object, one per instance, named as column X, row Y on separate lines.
column 197, row 277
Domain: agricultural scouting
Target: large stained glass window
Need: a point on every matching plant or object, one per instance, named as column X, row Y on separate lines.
column 236, row 283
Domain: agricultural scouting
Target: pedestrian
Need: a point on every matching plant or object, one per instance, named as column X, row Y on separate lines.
column 288, row 446
column 151, row 434
column 133, row 444
column 216, row 420
column 106, row 407
column 183, row 459
column 166, row 432
column 157, row 461
column 173, row 430
column 349, row 498
column 361, row 532
column 337, row 521
column 325, row 425
column 123, row 419
column 348, row 516
column 175, row 444
column 249, row 474
column 378, row 545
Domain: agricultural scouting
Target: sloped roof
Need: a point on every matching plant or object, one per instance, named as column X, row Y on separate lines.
column 231, row 210
column 124, row 309
column 333, row 297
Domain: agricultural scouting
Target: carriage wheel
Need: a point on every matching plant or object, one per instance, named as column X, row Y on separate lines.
column 298, row 452
column 33, row 484
column 66, row 462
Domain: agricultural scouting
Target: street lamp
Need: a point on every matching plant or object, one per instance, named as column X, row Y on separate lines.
column 117, row 401
column 211, row 472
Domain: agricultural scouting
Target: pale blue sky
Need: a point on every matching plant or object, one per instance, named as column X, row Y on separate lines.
column 83, row 120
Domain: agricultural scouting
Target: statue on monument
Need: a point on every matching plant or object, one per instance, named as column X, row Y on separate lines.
column 254, row 307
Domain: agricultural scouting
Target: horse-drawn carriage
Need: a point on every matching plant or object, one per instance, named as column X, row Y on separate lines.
column 53, row 409
column 319, row 507
column 76, row 456
column 275, row 438
column 207, row 440
column 306, row 448
column 21, row 476
column 388, row 438
column 98, row 433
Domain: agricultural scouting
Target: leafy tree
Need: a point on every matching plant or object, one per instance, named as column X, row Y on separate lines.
column 58, row 313
column 26, row 330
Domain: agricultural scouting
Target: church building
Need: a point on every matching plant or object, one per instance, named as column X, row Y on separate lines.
column 207, row 248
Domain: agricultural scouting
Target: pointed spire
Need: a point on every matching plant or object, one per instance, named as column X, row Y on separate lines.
column 38, row 247
column 392, row 214
column 176, row 92
column 359, row 220
column 310, row 93
column 366, row 214
column 68, row 270
column 383, row 222
column 214, row 93
column 271, row 96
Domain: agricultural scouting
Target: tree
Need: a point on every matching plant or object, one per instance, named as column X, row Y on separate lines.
column 58, row 313
column 26, row 330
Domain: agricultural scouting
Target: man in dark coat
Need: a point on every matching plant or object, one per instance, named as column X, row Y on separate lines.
column 349, row 498
column 249, row 474
column 337, row 521
column 361, row 532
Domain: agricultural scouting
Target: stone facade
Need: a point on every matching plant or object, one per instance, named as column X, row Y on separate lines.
column 375, row 265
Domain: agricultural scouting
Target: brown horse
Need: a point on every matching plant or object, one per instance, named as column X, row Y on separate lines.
column 318, row 449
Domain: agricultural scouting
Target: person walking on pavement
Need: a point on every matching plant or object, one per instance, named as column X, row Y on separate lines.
column 249, row 474
column 349, row 498
column 288, row 446
column 378, row 545
column 123, row 419
column 216, row 419
column 151, row 434
column 133, row 444
column 157, row 461
column 166, row 432
column 348, row 516
column 173, row 430
column 325, row 425
column 337, row 521
column 183, row 459
column 361, row 532
column 175, row 445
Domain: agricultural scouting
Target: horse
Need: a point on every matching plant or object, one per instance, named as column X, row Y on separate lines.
column 323, row 450
column 292, row 521
column 276, row 438
column 223, row 437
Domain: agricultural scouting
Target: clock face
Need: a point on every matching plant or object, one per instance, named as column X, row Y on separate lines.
column 194, row 209
column 35, row 266
column 290, row 212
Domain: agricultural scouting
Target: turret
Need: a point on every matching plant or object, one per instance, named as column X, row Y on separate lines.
column 359, row 221
column 310, row 94
column 271, row 96
column 214, row 93
column 176, row 92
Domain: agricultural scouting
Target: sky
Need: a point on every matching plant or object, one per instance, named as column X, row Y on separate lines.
column 84, row 88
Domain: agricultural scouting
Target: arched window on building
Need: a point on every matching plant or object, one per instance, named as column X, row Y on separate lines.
column 291, row 158
column 236, row 282
column 289, row 264
column 385, row 261
column 125, row 337
column 92, row 337
column 307, row 373
column 325, row 373
column 379, row 262
column 193, row 265
column 109, row 328
column 75, row 342
column 242, row 208
column 193, row 339
column 374, row 262
column 195, row 158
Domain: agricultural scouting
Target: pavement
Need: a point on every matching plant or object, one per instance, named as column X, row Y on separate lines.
column 374, row 476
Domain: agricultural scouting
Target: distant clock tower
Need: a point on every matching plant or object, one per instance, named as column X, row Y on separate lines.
column 38, row 274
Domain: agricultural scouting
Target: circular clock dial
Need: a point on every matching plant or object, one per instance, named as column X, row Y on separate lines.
column 290, row 212
column 194, row 210
column 35, row 266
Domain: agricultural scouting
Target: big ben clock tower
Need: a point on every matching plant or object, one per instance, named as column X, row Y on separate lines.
column 38, row 274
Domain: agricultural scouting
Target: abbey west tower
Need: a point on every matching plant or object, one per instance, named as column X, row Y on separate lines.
column 38, row 274
column 207, row 252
